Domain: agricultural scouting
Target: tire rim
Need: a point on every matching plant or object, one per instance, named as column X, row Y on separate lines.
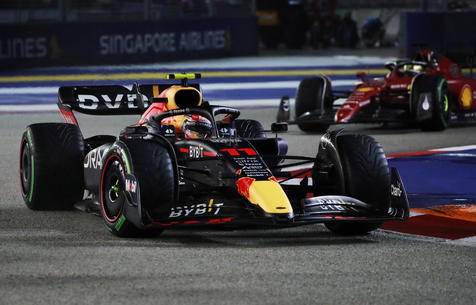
column 112, row 192
column 25, row 168
column 445, row 105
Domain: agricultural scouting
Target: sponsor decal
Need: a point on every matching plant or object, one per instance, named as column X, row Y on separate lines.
column 168, row 42
column 252, row 167
column 425, row 104
column 169, row 131
column 225, row 132
column 226, row 140
column 195, row 151
column 94, row 158
column 24, row 47
column 327, row 201
column 399, row 86
column 396, row 190
column 465, row 96
column 333, row 208
column 93, row 102
column 199, row 209
column 330, row 207
column 131, row 185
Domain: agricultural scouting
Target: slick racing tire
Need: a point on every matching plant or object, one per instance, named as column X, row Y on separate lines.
column 437, row 88
column 313, row 94
column 250, row 129
column 151, row 164
column 366, row 177
column 51, row 166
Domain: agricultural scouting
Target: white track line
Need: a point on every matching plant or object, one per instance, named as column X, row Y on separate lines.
column 205, row 87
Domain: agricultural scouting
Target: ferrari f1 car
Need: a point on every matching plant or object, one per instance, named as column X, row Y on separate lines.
column 187, row 163
column 429, row 90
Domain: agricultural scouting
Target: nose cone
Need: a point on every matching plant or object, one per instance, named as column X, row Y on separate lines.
column 267, row 194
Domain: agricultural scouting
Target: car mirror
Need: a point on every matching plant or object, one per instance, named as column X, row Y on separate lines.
column 279, row 127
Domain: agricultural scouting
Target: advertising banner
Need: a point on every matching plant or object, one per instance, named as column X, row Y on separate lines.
column 449, row 33
column 125, row 43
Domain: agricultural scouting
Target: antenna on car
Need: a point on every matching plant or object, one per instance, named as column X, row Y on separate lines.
column 184, row 77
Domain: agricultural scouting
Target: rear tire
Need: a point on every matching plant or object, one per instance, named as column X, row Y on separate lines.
column 157, row 179
column 250, row 129
column 313, row 94
column 366, row 177
column 51, row 166
column 438, row 89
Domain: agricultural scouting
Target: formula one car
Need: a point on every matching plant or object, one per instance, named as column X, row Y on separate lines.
column 190, row 164
column 428, row 89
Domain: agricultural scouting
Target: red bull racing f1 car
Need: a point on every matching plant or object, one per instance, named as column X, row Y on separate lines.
column 429, row 90
column 187, row 163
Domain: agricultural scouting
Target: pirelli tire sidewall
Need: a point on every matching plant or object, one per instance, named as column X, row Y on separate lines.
column 51, row 166
column 366, row 177
column 438, row 115
column 154, row 168
column 117, row 157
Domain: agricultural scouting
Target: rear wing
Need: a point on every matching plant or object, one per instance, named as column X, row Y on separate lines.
column 108, row 100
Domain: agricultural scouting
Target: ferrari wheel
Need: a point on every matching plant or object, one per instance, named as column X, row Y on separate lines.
column 366, row 177
column 51, row 166
column 314, row 94
column 435, row 89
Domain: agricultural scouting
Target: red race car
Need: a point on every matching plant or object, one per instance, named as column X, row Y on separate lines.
column 429, row 89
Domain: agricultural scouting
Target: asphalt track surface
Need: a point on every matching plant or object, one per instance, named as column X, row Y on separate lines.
column 70, row 258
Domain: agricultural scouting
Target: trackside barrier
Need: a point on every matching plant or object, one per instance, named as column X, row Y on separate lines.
column 449, row 33
column 124, row 43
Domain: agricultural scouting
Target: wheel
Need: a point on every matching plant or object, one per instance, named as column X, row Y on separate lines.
column 366, row 177
column 51, row 166
column 437, row 87
column 313, row 94
column 249, row 129
column 154, row 170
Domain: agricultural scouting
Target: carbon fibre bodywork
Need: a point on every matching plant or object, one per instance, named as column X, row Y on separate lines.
column 393, row 98
column 220, row 179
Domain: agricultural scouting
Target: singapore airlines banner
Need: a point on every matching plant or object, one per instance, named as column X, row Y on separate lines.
column 132, row 42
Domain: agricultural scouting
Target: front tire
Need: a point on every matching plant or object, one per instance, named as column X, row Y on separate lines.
column 153, row 167
column 51, row 166
column 366, row 177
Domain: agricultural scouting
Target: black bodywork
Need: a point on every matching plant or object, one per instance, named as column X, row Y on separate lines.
column 207, row 170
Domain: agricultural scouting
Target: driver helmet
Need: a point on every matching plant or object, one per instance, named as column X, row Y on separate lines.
column 196, row 127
